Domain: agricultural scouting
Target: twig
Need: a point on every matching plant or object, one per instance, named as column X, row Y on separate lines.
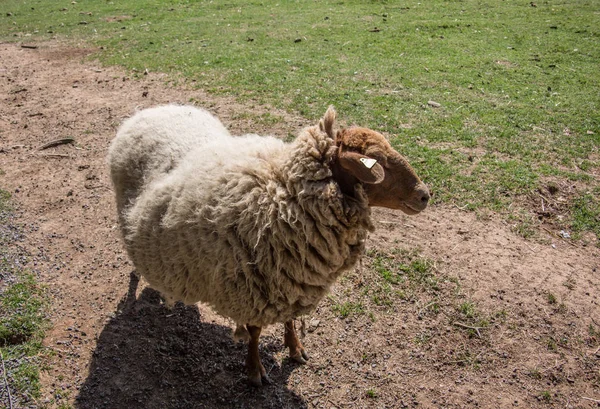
column 6, row 381
column 386, row 222
column 424, row 308
column 56, row 143
column 590, row 399
column 460, row 324
column 543, row 197
column 56, row 155
column 31, row 47
column 457, row 244
column 97, row 186
column 555, row 366
column 559, row 236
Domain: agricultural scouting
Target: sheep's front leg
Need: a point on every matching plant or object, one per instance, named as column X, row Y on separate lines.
column 291, row 341
column 256, row 371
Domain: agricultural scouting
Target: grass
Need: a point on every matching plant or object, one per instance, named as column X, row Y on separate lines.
column 22, row 302
column 398, row 276
column 517, row 84
column 467, row 309
column 348, row 308
column 404, row 278
column 406, row 268
column 22, row 318
column 585, row 213
column 545, row 396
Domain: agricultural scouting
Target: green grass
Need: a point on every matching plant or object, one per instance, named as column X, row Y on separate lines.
column 4, row 203
column 545, row 396
column 518, row 85
column 585, row 213
column 407, row 268
column 22, row 319
column 467, row 309
column 22, row 305
column 348, row 308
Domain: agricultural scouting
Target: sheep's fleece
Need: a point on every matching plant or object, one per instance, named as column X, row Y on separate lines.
column 253, row 226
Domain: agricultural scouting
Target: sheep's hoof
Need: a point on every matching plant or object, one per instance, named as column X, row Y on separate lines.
column 258, row 380
column 300, row 356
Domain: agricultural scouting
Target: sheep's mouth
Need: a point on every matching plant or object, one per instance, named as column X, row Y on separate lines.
column 406, row 208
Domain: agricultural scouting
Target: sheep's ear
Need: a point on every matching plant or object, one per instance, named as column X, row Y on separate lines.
column 365, row 169
column 326, row 123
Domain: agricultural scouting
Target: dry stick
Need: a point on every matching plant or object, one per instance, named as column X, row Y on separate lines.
column 559, row 236
column 424, row 308
column 460, row 324
column 590, row 399
column 527, row 245
column 6, row 381
column 543, row 197
column 56, row 155
column 555, row 366
column 56, row 143
column 31, row 47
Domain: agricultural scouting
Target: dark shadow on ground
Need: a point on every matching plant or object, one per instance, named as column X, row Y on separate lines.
column 150, row 356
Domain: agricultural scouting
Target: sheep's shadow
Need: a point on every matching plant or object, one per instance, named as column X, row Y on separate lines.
column 150, row 356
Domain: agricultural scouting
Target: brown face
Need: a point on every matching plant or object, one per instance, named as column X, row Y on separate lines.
column 387, row 177
column 364, row 155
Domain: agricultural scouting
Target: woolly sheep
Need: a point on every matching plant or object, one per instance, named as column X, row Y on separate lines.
column 257, row 228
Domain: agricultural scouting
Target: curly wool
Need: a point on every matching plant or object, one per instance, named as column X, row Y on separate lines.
column 254, row 227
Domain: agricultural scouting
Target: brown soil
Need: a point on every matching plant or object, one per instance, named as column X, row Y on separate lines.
column 117, row 346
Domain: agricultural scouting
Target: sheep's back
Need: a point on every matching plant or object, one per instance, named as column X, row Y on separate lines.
column 182, row 232
column 153, row 142
column 225, row 229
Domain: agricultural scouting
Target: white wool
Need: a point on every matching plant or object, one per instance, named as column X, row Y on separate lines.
column 253, row 226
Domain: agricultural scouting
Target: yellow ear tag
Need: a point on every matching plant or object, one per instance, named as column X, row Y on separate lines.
column 368, row 162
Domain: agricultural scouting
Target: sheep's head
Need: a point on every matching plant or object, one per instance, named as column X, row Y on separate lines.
column 365, row 156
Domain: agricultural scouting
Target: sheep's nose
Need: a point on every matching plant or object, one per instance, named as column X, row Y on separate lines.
column 422, row 195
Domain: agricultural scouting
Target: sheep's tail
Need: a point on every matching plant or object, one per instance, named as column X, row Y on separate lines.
column 326, row 123
column 241, row 333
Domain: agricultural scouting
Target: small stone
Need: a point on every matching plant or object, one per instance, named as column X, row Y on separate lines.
column 565, row 235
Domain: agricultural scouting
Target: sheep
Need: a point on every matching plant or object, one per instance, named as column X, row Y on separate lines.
column 257, row 228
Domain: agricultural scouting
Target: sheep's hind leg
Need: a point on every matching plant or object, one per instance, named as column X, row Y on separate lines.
column 291, row 341
column 257, row 376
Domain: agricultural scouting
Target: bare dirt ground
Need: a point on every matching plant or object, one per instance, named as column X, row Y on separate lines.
column 117, row 346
